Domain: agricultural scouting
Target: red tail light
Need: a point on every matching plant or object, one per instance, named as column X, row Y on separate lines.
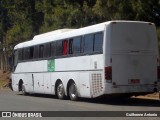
column 108, row 74
column 158, row 72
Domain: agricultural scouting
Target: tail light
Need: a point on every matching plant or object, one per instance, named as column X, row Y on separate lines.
column 108, row 74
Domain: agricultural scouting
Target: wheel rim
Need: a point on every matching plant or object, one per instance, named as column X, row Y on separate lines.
column 73, row 91
column 60, row 90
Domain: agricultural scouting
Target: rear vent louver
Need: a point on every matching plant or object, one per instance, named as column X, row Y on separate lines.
column 96, row 84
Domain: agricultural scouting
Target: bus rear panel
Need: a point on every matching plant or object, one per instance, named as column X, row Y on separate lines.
column 131, row 66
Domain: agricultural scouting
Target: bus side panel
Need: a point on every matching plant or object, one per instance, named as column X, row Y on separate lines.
column 28, row 83
column 15, row 81
column 53, row 82
column 38, row 83
column 64, row 77
column 47, row 83
column 84, row 85
column 81, row 80
column 79, row 69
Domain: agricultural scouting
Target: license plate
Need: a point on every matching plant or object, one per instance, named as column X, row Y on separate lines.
column 134, row 81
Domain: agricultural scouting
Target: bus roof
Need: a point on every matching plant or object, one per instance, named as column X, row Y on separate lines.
column 66, row 33
column 55, row 32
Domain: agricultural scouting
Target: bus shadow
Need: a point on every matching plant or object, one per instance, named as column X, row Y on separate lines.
column 108, row 101
column 125, row 101
column 39, row 95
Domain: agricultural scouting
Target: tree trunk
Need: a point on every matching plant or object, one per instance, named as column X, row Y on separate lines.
column 4, row 61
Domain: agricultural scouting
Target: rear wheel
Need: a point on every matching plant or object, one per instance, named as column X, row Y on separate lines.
column 60, row 91
column 73, row 93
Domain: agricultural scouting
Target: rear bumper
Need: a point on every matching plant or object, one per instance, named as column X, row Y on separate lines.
column 136, row 89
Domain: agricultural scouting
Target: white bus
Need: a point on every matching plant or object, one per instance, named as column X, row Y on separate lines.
column 111, row 58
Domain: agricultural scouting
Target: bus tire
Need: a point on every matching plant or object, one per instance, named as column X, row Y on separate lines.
column 24, row 90
column 60, row 91
column 73, row 93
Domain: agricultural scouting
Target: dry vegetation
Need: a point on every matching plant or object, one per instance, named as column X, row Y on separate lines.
column 154, row 96
column 4, row 78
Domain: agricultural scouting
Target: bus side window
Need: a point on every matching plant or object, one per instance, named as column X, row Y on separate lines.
column 70, row 47
column 52, row 49
column 98, row 42
column 26, row 53
column 15, row 58
column 88, row 43
column 31, row 52
column 41, row 51
column 20, row 55
column 59, row 48
column 77, row 45
column 47, row 50
column 36, row 52
column 65, row 47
